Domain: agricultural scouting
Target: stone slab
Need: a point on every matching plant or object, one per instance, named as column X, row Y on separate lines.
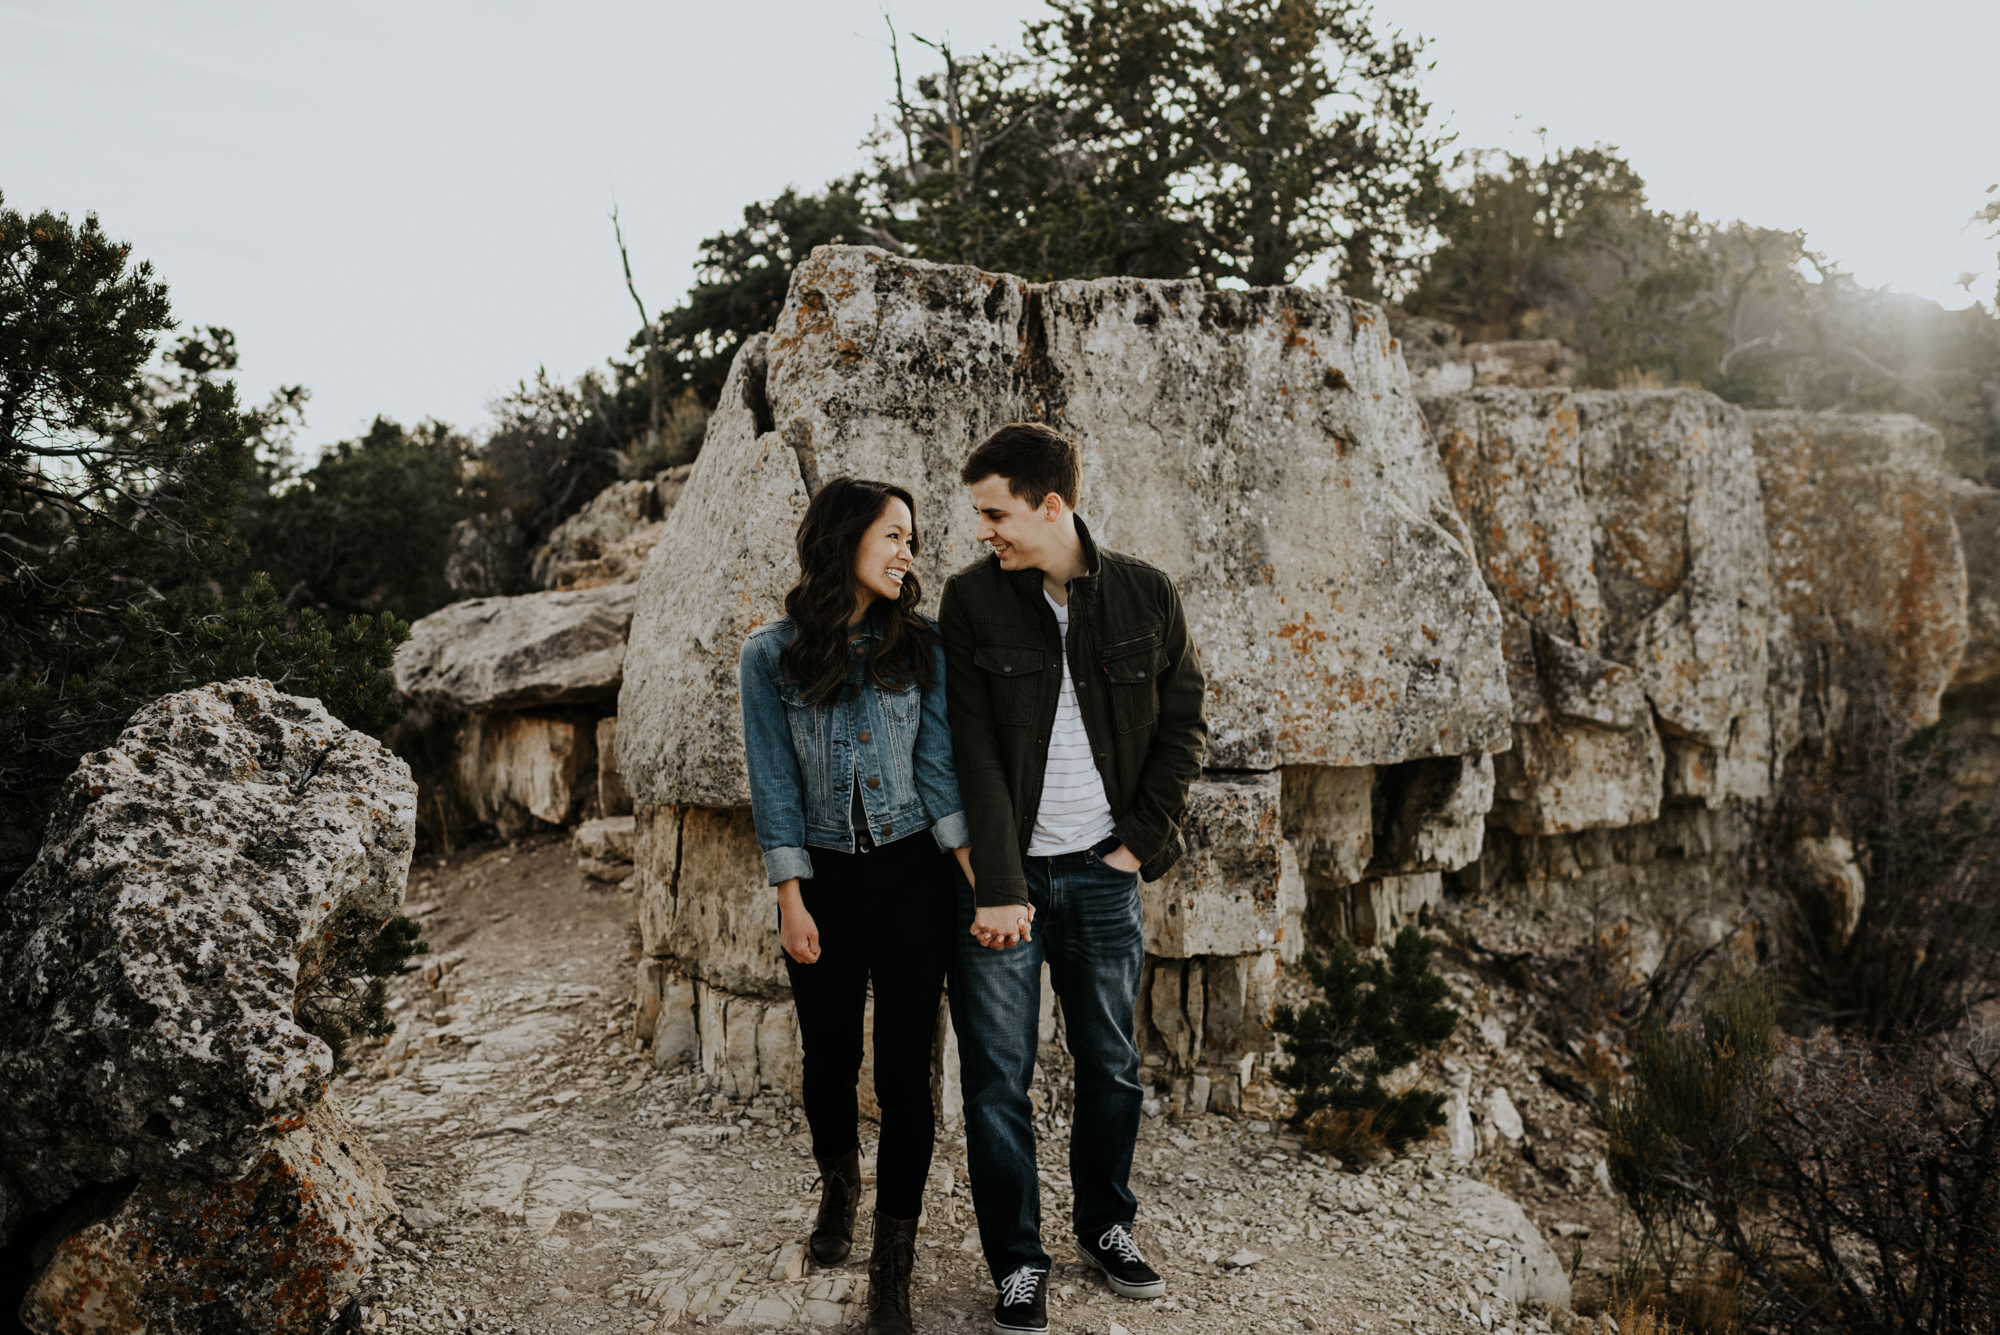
column 539, row 649
column 1238, row 890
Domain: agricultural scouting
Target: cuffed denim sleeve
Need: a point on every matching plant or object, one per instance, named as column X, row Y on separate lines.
column 777, row 788
column 936, row 771
column 952, row 832
column 782, row 864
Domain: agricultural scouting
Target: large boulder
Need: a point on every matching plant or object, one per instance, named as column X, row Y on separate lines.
column 1520, row 1265
column 1865, row 561
column 489, row 655
column 1975, row 509
column 282, row 1248
column 1261, row 447
column 228, row 842
column 1623, row 535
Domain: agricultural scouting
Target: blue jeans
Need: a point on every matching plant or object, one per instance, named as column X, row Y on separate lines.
column 1088, row 929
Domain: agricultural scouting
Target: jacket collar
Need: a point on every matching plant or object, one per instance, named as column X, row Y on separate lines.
column 1028, row 582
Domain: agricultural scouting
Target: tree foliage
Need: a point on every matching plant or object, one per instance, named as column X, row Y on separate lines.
column 119, row 490
column 367, row 528
column 1374, row 1016
column 742, row 277
column 1230, row 141
column 1569, row 248
column 1240, row 140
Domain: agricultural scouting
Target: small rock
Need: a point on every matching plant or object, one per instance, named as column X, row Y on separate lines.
column 1500, row 1111
column 566, row 1097
column 1493, row 1032
column 1243, row 1260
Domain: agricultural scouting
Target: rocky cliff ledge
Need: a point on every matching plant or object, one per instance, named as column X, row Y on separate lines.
column 1536, row 640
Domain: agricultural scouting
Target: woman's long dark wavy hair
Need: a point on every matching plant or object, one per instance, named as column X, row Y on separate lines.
column 821, row 603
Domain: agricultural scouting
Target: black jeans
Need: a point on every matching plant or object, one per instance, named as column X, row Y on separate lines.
column 887, row 914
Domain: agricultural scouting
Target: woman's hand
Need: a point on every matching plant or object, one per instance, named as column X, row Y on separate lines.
column 796, row 927
column 1002, row 926
column 964, row 856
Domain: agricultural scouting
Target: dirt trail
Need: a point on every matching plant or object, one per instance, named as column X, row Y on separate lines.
column 550, row 1178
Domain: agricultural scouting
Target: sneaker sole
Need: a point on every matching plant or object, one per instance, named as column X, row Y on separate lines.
column 1157, row 1289
column 1001, row 1328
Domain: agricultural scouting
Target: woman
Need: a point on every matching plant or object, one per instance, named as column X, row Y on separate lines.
column 850, row 763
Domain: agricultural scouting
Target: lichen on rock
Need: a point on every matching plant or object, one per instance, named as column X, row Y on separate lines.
column 192, row 873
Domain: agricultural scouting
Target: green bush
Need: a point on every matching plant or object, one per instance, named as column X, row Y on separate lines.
column 1683, row 1127
column 1374, row 1017
column 119, row 490
column 343, row 994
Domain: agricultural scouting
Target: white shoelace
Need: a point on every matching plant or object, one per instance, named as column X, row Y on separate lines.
column 1116, row 1239
column 1019, row 1287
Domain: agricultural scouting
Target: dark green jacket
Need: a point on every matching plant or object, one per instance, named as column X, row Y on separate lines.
column 1138, row 686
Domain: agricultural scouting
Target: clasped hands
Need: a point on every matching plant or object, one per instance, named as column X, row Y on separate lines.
column 1006, row 925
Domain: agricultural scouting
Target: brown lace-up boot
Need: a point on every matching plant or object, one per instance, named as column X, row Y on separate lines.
column 839, row 1205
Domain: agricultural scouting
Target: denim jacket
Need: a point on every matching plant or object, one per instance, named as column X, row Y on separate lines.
column 803, row 759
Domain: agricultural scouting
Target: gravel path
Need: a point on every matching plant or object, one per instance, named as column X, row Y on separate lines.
column 551, row 1179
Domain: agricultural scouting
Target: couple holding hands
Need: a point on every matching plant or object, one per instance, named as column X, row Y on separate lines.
column 1042, row 732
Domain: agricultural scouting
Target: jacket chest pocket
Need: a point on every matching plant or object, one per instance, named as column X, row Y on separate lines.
column 901, row 706
column 1132, row 669
column 1013, row 678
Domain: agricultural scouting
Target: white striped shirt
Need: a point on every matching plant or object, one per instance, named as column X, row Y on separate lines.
column 1074, row 814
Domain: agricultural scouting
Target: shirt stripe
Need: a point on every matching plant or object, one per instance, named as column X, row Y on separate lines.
column 1074, row 813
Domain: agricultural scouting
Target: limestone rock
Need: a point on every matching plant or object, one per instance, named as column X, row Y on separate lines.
column 1623, row 535
column 719, row 572
column 704, row 899
column 1379, row 908
column 516, row 769
column 151, row 954
column 1864, row 558
column 1532, row 1272
column 1238, row 891
column 540, row 649
column 613, row 799
column 1261, row 447
column 185, row 1253
column 1213, row 1008
column 609, row 838
column 1976, row 512
column 608, row 540
column 1329, row 816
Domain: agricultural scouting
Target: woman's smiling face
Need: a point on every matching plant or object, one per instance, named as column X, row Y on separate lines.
column 883, row 558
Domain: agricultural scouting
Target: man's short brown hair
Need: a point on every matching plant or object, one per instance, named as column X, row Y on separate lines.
column 1036, row 459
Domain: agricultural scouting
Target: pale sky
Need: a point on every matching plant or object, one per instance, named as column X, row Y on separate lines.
column 405, row 206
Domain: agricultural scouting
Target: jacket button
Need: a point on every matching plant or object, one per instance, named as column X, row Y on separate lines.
column 1007, row 667
column 864, row 737
column 874, row 783
column 888, row 830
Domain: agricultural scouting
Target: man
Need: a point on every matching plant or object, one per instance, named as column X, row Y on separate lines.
column 1076, row 714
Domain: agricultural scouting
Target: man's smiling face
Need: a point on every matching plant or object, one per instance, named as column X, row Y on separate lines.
column 1022, row 535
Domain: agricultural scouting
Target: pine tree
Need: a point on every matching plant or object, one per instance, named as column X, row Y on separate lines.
column 1374, row 1018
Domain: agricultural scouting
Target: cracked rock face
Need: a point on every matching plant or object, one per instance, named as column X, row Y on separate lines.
column 151, row 954
column 1865, row 561
column 1623, row 534
column 1261, row 447
column 280, row 1249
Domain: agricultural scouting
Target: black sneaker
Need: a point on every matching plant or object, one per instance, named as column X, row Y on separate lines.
column 1024, row 1303
column 1118, row 1257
